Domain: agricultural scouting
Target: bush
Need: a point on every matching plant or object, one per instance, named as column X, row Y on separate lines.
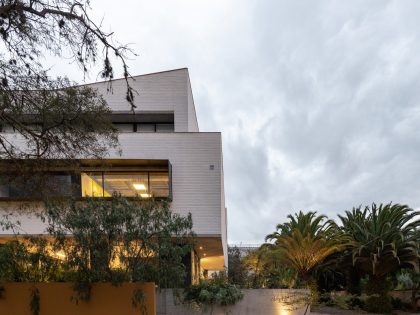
column 398, row 304
column 208, row 293
column 347, row 301
column 325, row 299
column 378, row 304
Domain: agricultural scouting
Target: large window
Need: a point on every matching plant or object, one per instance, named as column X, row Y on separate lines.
column 36, row 186
column 128, row 184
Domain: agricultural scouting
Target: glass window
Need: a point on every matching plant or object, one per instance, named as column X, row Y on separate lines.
column 35, row 185
column 127, row 184
column 146, row 127
column 92, row 184
column 4, row 187
column 164, row 127
column 124, row 127
column 159, row 184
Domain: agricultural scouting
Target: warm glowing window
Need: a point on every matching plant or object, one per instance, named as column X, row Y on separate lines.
column 128, row 184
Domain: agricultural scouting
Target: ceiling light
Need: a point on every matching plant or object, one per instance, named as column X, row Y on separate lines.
column 139, row 187
column 201, row 247
column 145, row 195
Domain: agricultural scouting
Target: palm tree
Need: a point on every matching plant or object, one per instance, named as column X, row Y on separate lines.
column 305, row 241
column 384, row 239
column 307, row 223
column 305, row 252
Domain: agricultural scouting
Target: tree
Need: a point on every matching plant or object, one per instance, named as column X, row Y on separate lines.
column 268, row 270
column 102, row 240
column 304, row 253
column 54, row 118
column 384, row 239
column 307, row 223
column 237, row 270
column 138, row 241
column 305, row 241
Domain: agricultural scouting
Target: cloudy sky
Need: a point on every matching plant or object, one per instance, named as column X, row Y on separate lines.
column 318, row 101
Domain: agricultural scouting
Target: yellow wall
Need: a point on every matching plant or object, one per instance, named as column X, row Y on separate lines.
column 55, row 299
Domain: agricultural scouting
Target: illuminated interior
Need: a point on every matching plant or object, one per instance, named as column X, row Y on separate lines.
column 128, row 184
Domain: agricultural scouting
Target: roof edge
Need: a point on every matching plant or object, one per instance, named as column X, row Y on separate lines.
column 134, row 76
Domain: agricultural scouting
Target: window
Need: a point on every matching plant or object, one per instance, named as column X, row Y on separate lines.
column 128, row 184
column 164, row 127
column 146, row 127
column 36, row 186
column 159, row 184
column 124, row 127
column 152, row 127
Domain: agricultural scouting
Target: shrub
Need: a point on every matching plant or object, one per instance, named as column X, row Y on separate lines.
column 378, row 304
column 348, row 301
column 216, row 291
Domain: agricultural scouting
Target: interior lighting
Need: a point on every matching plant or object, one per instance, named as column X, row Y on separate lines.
column 138, row 186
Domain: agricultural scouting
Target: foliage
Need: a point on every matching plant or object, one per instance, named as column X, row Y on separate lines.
column 378, row 304
column 53, row 117
column 384, row 237
column 216, row 291
column 303, row 253
column 306, row 223
column 237, row 270
column 305, row 241
column 266, row 270
column 145, row 237
column 138, row 300
column 112, row 240
column 35, row 302
column 29, row 260
column 408, row 279
column 348, row 301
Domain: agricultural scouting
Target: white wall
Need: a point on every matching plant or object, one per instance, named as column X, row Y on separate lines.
column 167, row 91
column 196, row 188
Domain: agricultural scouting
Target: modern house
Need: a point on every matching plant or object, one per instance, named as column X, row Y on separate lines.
column 163, row 155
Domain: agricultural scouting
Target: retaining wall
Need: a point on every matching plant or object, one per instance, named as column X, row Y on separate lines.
column 56, row 298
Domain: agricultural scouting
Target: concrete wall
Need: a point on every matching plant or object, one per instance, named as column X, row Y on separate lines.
column 55, row 298
column 255, row 301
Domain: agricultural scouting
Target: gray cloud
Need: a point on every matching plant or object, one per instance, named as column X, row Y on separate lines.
column 318, row 101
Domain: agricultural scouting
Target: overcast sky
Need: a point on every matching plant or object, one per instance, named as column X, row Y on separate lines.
column 318, row 101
